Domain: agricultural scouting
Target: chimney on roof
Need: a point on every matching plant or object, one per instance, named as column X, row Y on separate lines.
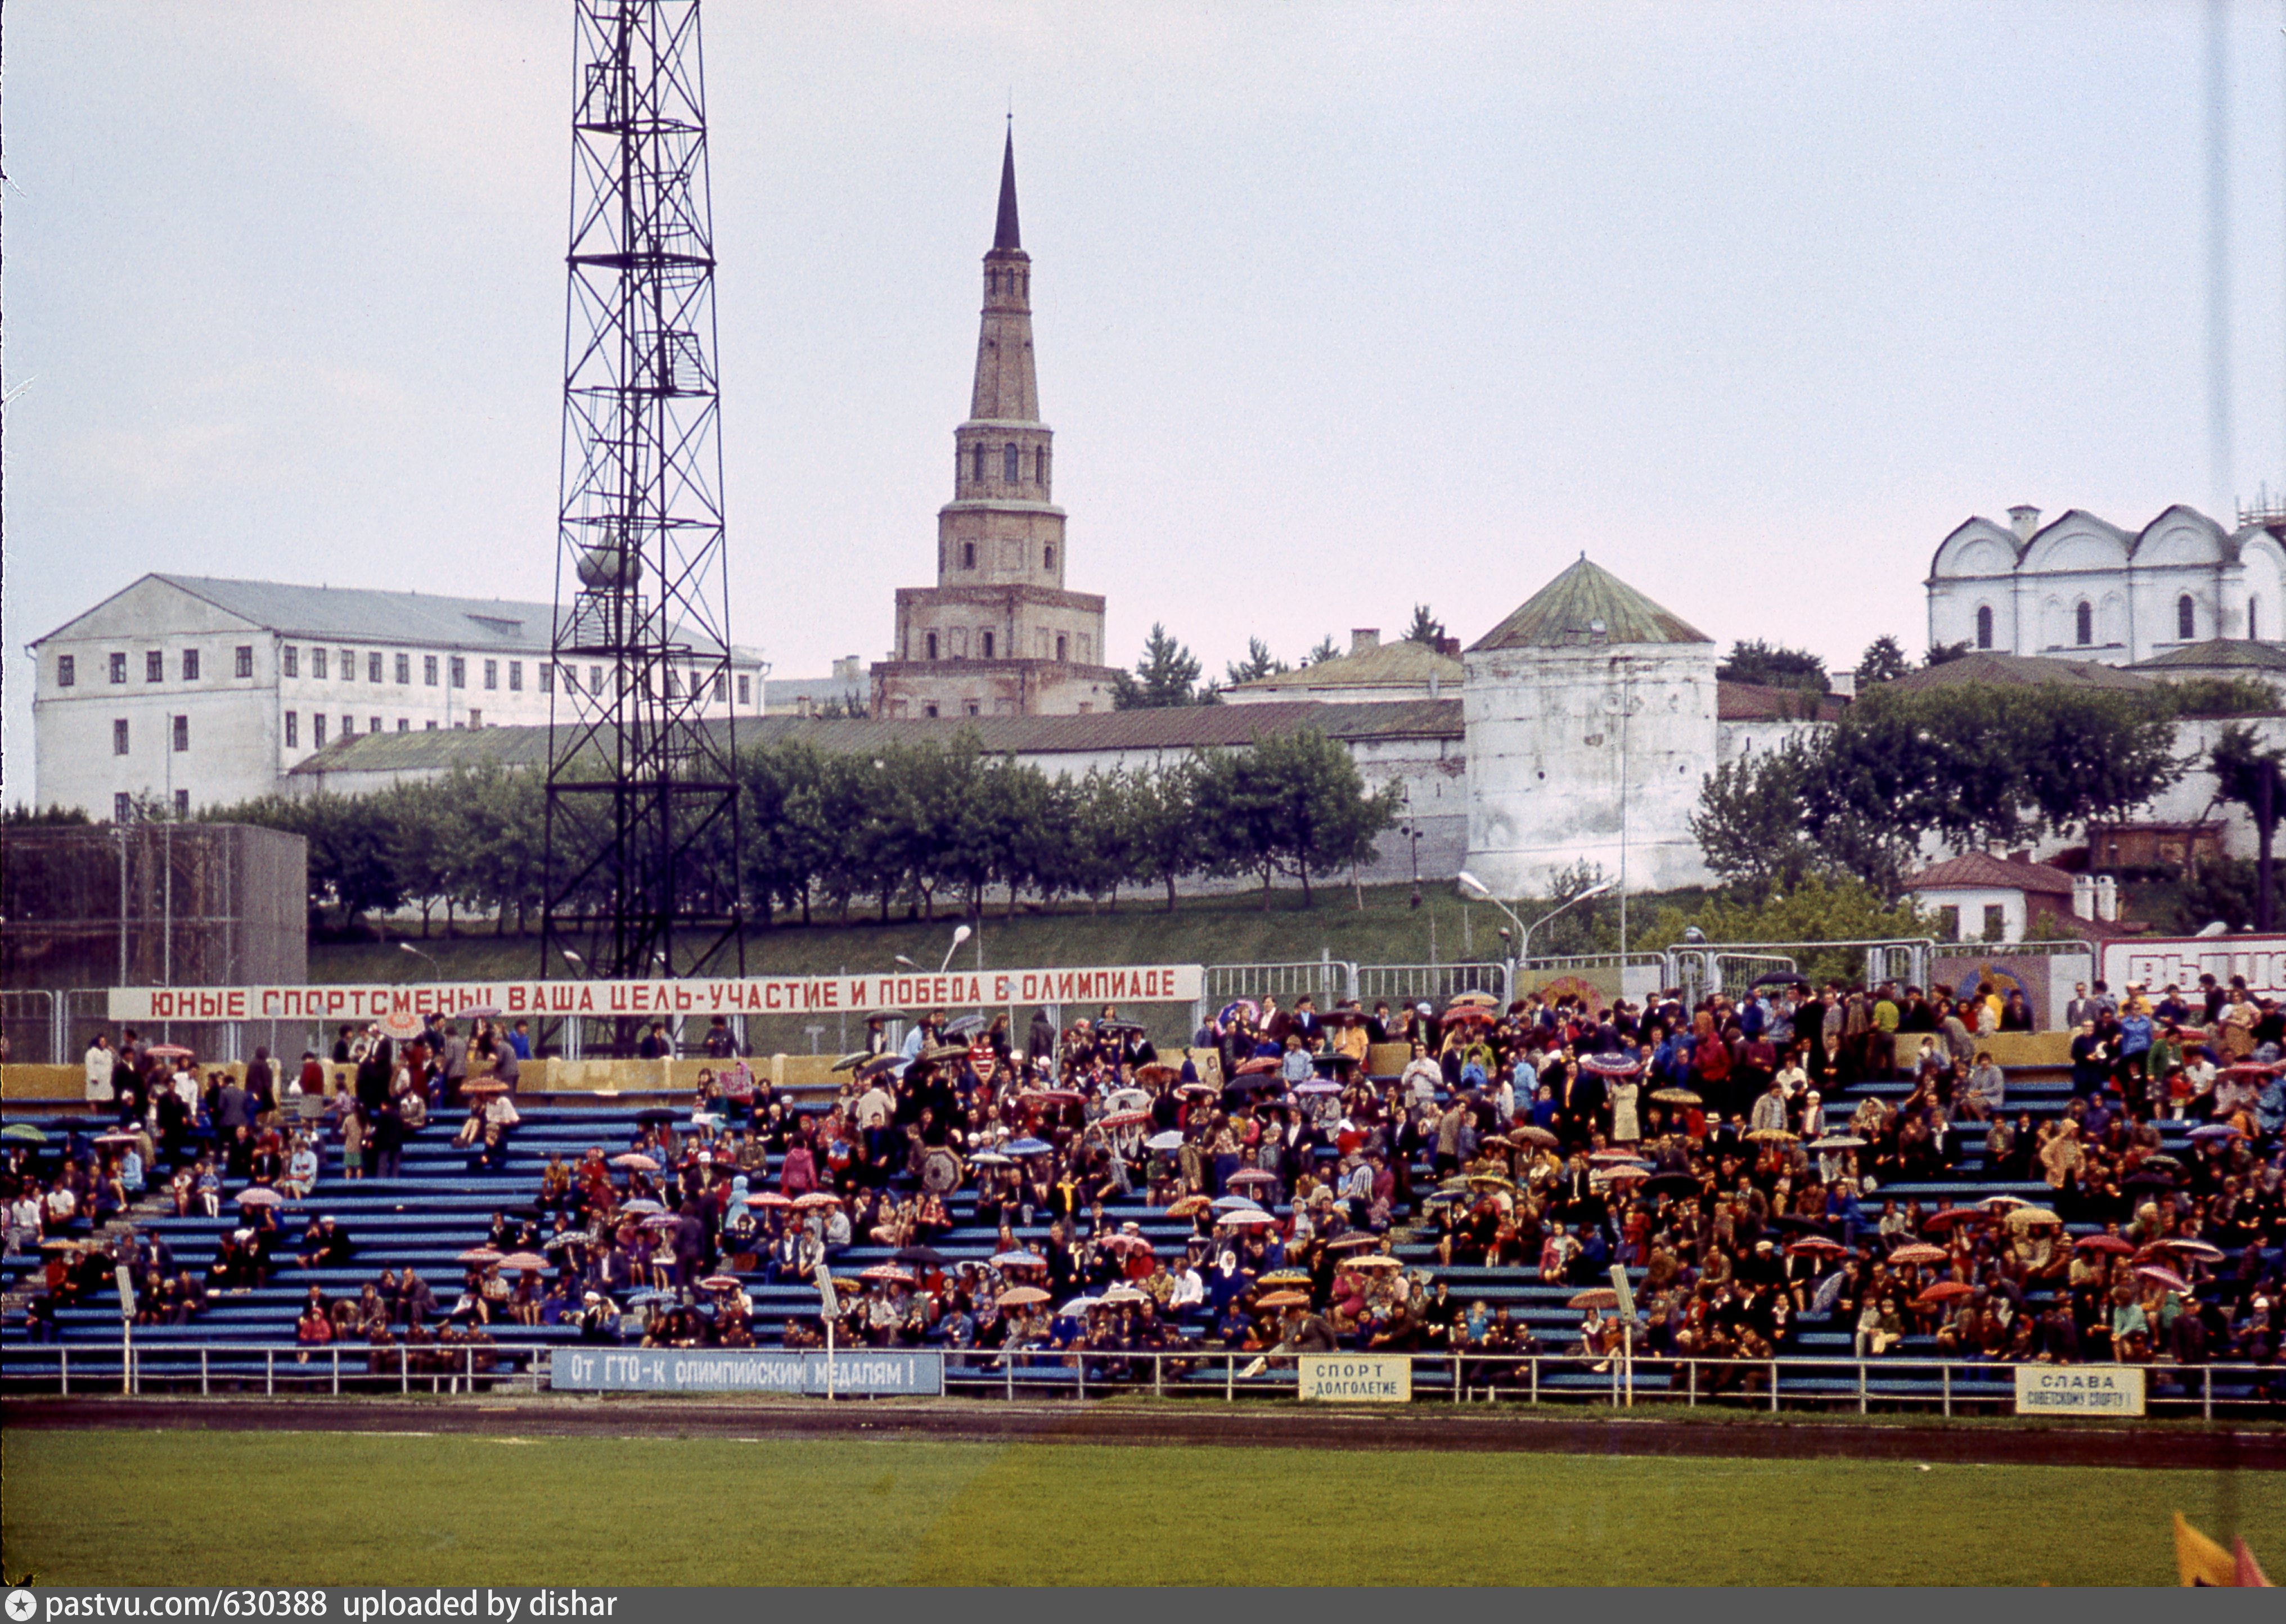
column 1364, row 639
column 1449, row 647
column 848, row 668
column 2107, row 897
column 2082, row 896
column 2024, row 520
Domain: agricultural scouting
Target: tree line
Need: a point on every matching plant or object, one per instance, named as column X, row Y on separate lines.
column 909, row 826
column 1971, row 764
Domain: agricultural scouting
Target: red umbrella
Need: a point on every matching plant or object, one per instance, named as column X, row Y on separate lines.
column 887, row 1271
column 1943, row 1291
column 523, row 1259
column 1919, row 1252
column 168, row 1051
column 1256, row 1067
column 1953, row 1215
column 1124, row 1243
column 817, row 1198
column 636, row 1161
column 2111, row 1244
column 769, row 1198
column 1815, row 1243
column 1126, row 1118
column 481, row 1254
column 1598, row 1296
column 2166, row 1277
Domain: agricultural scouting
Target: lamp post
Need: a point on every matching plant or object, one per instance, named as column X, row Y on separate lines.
column 961, row 934
column 1469, row 882
column 416, row 952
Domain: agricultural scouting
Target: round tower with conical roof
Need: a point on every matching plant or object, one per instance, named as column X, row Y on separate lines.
column 1590, row 715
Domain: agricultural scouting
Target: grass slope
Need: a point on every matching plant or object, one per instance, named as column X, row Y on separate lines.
column 408, row 1509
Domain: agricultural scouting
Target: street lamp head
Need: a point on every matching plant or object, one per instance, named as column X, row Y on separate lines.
column 1595, row 890
column 961, row 934
column 573, row 959
column 1469, row 882
column 407, row 948
column 908, row 963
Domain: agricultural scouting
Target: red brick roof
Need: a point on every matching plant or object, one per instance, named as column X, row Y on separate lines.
column 1982, row 871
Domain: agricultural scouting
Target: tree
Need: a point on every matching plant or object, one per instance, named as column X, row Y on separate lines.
column 1814, row 911
column 2249, row 774
column 1944, row 654
column 20, row 817
column 1763, row 666
column 1426, row 628
column 1259, row 662
column 1292, row 805
column 1165, row 831
column 1167, row 675
column 1749, row 821
column 1883, row 661
column 1325, row 650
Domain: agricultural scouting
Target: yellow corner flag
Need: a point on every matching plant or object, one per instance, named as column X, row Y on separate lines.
column 2200, row 1561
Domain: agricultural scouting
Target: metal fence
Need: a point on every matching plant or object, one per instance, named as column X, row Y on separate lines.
column 1862, row 1386
column 1701, row 968
column 29, row 1021
column 1436, row 982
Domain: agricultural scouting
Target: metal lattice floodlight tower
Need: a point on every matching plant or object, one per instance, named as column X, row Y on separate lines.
column 642, row 814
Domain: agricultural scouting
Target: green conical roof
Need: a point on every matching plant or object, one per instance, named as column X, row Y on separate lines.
column 1587, row 605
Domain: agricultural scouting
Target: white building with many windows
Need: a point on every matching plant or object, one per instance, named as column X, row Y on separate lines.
column 192, row 692
column 2084, row 589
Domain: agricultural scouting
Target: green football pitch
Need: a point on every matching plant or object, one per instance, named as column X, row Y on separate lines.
column 283, row 1508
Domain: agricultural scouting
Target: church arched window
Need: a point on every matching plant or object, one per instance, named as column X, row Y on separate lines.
column 968, row 556
column 1048, row 556
column 1009, row 470
column 2253, row 619
column 2186, row 618
column 2084, row 624
column 1984, row 625
column 932, row 644
column 976, row 464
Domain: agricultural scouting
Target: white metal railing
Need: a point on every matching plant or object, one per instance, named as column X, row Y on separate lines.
column 1889, row 1382
column 1439, row 983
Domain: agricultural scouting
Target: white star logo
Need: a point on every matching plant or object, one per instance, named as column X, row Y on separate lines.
column 21, row 1605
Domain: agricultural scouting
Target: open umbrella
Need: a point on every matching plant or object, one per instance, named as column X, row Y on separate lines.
column 1027, row 1146
column 2164, row 1162
column 1254, row 1175
column 2001, row 1204
column 168, row 1051
column 1374, row 1261
column 1943, row 1291
column 1171, row 1140
column 260, row 1195
column 2189, row 1248
column 1253, row 1216
column 769, row 1198
column 852, row 1061
column 992, row 1158
column 523, row 1259
column 1189, row 1206
column 1157, row 1075
column 1947, row 1217
column 1618, row 1159
column 1475, row 997
column 1773, row 1136
column 563, row 1241
column 1258, row 1066
column 401, row 1024
column 1124, row 1296
column 937, row 1054
column 1317, row 1086
column 816, row 1199
column 927, row 1255
column 1238, row 1007
column 2213, row 1130
column 888, row 1273
column 1816, row 1246
column 1671, row 1184
column 117, row 1139
column 474, row 1011
column 1286, row 1277
column 1021, row 1296
column 1128, row 1099
column 1622, row 1175
column 1197, row 1091
column 1532, row 1135
column 23, row 1134
column 1284, row 1299
column 1838, row 1141
column 1676, row 1096
column 1125, row 1118
column 1121, row 1242
column 1019, row 1259
column 720, row 1282
column 1234, row 1203
column 484, row 1085
column 2113, row 1245
column 481, row 1255
column 1352, row 1243
column 636, row 1161
column 1919, row 1252
column 1610, row 1065
column 1470, row 1015
column 661, row 1220
column 655, row 1115
column 879, row 1063
column 642, row 1206
column 964, row 1027
column 2027, row 1218
column 1596, row 1297
column 2166, row 1277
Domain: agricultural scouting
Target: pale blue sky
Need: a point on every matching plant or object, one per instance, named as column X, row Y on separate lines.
column 1338, row 307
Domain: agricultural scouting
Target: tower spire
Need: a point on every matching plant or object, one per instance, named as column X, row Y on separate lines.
column 1004, row 234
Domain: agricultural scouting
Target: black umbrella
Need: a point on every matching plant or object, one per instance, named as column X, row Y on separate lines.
column 1258, row 1082
column 964, row 1027
column 655, row 1115
column 1780, row 978
column 916, row 1254
column 851, row 1062
column 1671, row 1184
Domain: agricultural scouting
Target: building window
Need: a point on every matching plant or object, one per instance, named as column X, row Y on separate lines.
column 984, row 645
column 515, row 676
column 349, row 665
column 932, row 653
column 349, row 728
column 404, row 670
column 492, row 674
column 2084, row 624
column 320, row 664
column 968, row 707
column 317, row 730
column 928, row 709
column 428, row 727
column 66, row 671
column 190, row 665
column 2186, row 618
column 476, row 716
column 968, row 556
column 182, row 803
column 119, row 736
column 457, row 673
column 245, row 658
column 1040, row 466
column 289, row 661
column 673, row 683
column 372, row 724
column 1060, row 646
column 154, row 666
column 182, row 735
column 595, row 680
column 546, row 673
column 121, row 808
column 429, row 671
column 1948, row 924
column 1995, row 921
column 373, row 668
column 745, row 689
column 976, row 464
column 1048, row 556
column 1984, row 625
column 292, row 730
column 1009, row 471
column 119, row 668
column 721, row 687
column 404, row 724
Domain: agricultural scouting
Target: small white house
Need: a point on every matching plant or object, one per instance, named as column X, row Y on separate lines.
column 1983, row 898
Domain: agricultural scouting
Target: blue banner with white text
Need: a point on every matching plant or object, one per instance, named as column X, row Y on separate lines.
column 867, row 1371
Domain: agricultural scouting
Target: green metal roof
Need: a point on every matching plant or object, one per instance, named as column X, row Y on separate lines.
column 2221, row 653
column 1588, row 606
